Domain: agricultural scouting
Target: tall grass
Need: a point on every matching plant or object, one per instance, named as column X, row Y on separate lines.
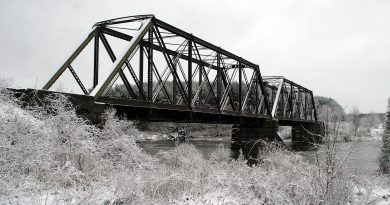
column 49, row 155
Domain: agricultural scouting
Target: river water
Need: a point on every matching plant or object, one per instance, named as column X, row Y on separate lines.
column 362, row 156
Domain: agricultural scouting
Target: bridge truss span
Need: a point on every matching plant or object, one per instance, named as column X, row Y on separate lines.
column 151, row 70
column 290, row 101
column 159, row 65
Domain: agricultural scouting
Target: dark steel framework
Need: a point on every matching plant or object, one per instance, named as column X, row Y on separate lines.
column 162, row 65
column 289, row 100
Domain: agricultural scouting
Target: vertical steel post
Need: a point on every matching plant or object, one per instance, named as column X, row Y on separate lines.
column 283, row 103
column 291, row 101
column 174, row 86
column 150, row 65
column 219, row 85
column 200, row 85
column 257, row 95
column 240, row 86
column 96, row 62
column 189, row 86
column 305, row 108
column 271, row 100
column 314, row 106
column 141, row 69
column 300, row 103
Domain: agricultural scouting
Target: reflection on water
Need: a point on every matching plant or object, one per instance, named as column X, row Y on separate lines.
column 362, row 160
column 204, row 146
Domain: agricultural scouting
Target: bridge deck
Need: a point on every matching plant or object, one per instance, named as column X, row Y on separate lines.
column 92, row 109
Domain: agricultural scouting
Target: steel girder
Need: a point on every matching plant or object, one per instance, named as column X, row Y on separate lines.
column 289, row 100
column 181, row 69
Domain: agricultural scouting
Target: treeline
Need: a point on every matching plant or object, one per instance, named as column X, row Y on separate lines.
column 354, row 124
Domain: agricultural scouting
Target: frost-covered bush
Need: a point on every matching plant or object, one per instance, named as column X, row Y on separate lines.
column 49, row 155
column 183, row 155
column 221, row 155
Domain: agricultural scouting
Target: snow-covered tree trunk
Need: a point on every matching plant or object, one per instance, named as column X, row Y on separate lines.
column 385, row 153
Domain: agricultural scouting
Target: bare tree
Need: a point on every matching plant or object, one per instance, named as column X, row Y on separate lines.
column 330, row 172
column 355, row 119
column 372, row 119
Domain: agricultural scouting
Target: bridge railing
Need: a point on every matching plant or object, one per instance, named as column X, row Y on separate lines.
column 158, row 63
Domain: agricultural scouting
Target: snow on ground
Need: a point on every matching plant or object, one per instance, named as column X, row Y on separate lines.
column 375, row 196
column 376, row 133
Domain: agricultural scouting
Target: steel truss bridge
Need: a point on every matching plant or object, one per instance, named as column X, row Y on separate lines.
column 168, row 74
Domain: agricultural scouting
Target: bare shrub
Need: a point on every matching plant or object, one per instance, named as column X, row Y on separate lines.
column 333, row 178
column 220, row 155
column 183, row 155
column 178, row 132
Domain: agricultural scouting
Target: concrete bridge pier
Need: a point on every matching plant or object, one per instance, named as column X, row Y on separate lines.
column 306, row 135
column 249, row 138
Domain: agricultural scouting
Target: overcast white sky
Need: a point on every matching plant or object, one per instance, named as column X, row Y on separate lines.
column 338, row 49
